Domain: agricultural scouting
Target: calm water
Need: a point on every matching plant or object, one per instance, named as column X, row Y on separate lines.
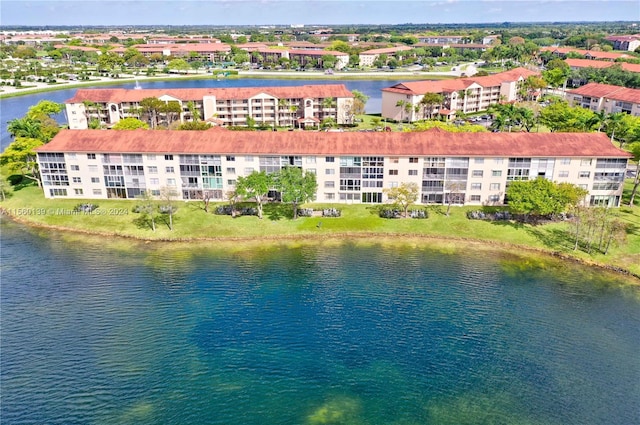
column 309, row 335
column 16, row 107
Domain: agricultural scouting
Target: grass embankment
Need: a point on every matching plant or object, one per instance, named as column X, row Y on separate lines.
column 116, row 217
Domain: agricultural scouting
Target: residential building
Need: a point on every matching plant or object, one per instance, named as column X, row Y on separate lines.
column 368, row 57
column 562, row 52
column 587, row 63
column 443, row 39
column 314, row 57
column 625, row 42
column 606, row 97
column 350, row 167
column 295, row 106
column 205, row 52
column 467, row 95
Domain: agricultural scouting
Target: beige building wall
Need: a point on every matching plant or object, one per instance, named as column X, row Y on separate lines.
column 474, row 180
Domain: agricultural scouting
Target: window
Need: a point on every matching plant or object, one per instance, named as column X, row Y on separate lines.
column 494, row 198
column 168, row 157
column 477, row 173
column 93, row 168
column 169, row 170
column 248, row 159
column 393, row 160
column 231, row 170
column 311, row 160
column 478, row 186
column 478, row 160
column 475, row 198
column 494, row 186
column 413, row 160
column 329, row 184
column 95, row 179
column 155, row 192
column 231, row 182
column 330, row 159
column 77, row 180
column 496, row 173
column 231, row 158
column 91, row 156
column 584, row 174
column 329, row 196
column 563, row 173
column 584, row 186
column 78, row 191
column 153, row 169
column 393, row 172
column 585, row 162
column 413, row 172
column 151, row 157
column 565, row 161
column 393, row 184
column 329, row 171
column 58, row 192
column 154, row 181
column 75, row 168
column 97, row 191
column 171, row 182
column 498, row 160
column 311, row 170
column 248, row 171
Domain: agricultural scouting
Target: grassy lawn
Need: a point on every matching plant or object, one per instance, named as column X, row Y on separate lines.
column 116, row 217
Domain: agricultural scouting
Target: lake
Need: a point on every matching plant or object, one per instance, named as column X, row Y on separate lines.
column 97, row 332
column 16, row 107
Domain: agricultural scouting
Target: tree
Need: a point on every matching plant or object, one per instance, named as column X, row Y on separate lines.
column 168, row 195
column 152, row 106
column 559, row 116
column 327, row 107
column 256, row 185
column 179, row 65
column 44, row 107
column 430, row 101
column 194, row 126
column 635, row 151
column 172, row 110
column 148, row 210
column 542, row 197
column 403, row 195
column 20, row 156
column 130, row 123
column 401, row 104
column 25, row 127
column 296, row 187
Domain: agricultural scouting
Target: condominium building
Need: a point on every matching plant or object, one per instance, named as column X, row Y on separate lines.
column 625, row 42
column 350, row 167
column 606, row 97
column 401, row 102
column 294, row 106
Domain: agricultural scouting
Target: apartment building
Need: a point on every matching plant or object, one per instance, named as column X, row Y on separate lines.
column 351, row 167
column 562, row 52
column 205, row 52
column 606, row 97
column 467, row 95
column 293, row 106
column 587, row 63
column 625, row 42
column 368, row 57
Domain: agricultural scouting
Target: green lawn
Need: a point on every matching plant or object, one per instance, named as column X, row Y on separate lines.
column 358, row 221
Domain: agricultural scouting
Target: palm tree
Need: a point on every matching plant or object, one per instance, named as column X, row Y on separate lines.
column 25, row 127
column 429, row 101
column 282, row 104
column 401, row 104
column 327, row 103
column 294, row 110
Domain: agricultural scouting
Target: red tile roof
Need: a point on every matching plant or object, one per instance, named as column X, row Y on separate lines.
column 448, row 86
column 609, row 91
column 429, row 143
column 594, row 54
column 587, row 63
column 285, row 92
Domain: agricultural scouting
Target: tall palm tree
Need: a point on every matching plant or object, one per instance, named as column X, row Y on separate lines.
column 401, row 104
column 327, row 104
column 25, row 127
column 282, row 105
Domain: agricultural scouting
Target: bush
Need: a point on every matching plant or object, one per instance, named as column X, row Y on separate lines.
column 419, row 213
column 331, row 212
column 305, row 212
column 167, row 209
column 85, row 208
column 389, row 213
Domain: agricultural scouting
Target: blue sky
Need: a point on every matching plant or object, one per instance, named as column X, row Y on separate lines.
column 309, row 12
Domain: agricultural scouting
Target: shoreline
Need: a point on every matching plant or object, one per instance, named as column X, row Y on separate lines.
column 7, row 92
column 339, row 238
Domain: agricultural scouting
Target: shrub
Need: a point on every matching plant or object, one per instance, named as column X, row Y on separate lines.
column 331, row 212
column 86, row 208
column 305, row 212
